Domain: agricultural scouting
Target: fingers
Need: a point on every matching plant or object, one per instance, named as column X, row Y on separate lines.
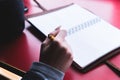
column 47, row 40
column 56, row 40
column 60, row 38
column 61, row 35
column 56, row 52
column 57, row 35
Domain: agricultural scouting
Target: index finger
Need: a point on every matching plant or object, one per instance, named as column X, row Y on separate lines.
column 47, row 40
column 61, row 35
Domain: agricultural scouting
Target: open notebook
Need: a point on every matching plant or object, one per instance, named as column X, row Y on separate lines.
column 91, row 38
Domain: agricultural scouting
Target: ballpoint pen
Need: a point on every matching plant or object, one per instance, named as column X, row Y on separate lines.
column 40, row 6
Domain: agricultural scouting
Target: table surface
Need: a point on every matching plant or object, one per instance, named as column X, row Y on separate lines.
column 26, row 49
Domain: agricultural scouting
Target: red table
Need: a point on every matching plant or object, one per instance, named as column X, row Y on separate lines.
column 25, row 50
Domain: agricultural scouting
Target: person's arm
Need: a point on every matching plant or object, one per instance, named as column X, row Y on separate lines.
column 55, row 59
column 42, row 71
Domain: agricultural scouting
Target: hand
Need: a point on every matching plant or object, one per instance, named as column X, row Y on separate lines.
column 57, row 53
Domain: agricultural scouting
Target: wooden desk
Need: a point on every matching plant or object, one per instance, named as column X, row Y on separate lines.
column 25, row 50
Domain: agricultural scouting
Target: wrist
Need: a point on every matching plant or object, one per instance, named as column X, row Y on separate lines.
column 47, row 70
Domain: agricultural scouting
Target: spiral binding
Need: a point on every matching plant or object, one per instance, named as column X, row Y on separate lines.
column 83, row 26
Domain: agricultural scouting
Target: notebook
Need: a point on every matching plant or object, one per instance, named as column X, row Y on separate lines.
column 92, row 39
column 8, row 72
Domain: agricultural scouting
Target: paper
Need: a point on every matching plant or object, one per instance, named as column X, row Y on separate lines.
column 89, row 36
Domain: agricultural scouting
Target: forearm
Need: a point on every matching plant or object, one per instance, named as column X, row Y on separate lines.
column 43, row 72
